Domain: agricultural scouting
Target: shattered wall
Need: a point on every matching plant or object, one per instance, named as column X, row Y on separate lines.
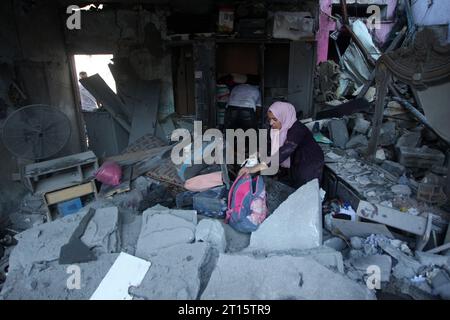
column 32, row 53
column 136, row 34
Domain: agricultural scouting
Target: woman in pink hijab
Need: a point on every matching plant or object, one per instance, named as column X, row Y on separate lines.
column 297, row 150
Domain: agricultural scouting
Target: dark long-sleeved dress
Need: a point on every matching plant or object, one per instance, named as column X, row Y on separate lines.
column 306, row 156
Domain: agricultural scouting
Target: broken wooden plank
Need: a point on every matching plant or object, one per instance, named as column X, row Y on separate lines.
column 109, row 100
column 134, row 157
column 124, row 186
column 145, row 109
column 70, row 193
column 359, row 229
column 393, row 218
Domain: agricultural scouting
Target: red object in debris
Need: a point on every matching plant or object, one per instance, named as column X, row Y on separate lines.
column 109, row 173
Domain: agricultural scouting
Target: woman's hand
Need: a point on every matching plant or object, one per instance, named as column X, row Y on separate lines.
column 244, row 171
column 255, row 169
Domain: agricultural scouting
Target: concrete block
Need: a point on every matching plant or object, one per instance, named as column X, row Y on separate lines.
column 162, row 229
column 388, row 134
column 335, row 243
column 295, row 224
column 279, row 277
column 361, row 125
column 324, row 255
column 357, row 242
column 430, row 259
column 394, row 168
column 338, row 132
column 101, row 233
column 357, row 141
column 211, row 231
column 177, row 273
column 384, row 262
column 406, row 267
column 441, row 284
column 43, row 243
column 409, row 139
column 49, row 281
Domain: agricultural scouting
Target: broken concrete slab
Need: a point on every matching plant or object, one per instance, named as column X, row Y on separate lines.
column 441, row 284
column 409, row 139
column 43, row 243
column 295, row 224
column 338, row 132
column 236, row 241
column 407, row 267
column 393, row 168
column 212, row 232
column 388, row 134
column 326, row 256
column 357, row 142
column 102, row 235
column 177, row 273
column 188, row 215
column 279, row 277
column 430, row 259
column 51, row 281
column 358, row 229
column 384, row 262
column 162, row 228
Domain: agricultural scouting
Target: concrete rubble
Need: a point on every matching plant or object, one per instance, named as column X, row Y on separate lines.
column 279, row 277
column 291, row 227
column 383, row 203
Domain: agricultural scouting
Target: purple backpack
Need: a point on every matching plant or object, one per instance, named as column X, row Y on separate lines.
column 247, row 207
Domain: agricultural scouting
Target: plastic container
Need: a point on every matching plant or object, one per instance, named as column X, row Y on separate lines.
column 423, row 158
column 69, row 207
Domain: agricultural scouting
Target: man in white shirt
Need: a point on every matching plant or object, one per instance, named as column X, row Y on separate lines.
column 88, row 102
column 241, row 107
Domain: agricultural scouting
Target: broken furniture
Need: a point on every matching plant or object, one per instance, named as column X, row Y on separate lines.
column 62, row 179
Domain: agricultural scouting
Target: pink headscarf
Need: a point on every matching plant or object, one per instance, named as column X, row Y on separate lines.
column 286, row 114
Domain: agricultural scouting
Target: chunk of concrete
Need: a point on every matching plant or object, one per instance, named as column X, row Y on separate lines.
column 338, row 132
column 211, row 231
column 393, row 168
column 357, row 141
column 430, row 259
column 43, row 243
column 161, row 228
column 51, row 281
column 357, row 243
column 279, row 277
column 409, row 139
column 406, row 267
column 384, row 262
column 326, row 256
column 388, row 134
column 177, row 273
column 101, row 233
column 441, row 284
column 361, row 125
column 295, row 224
column 335, row 243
